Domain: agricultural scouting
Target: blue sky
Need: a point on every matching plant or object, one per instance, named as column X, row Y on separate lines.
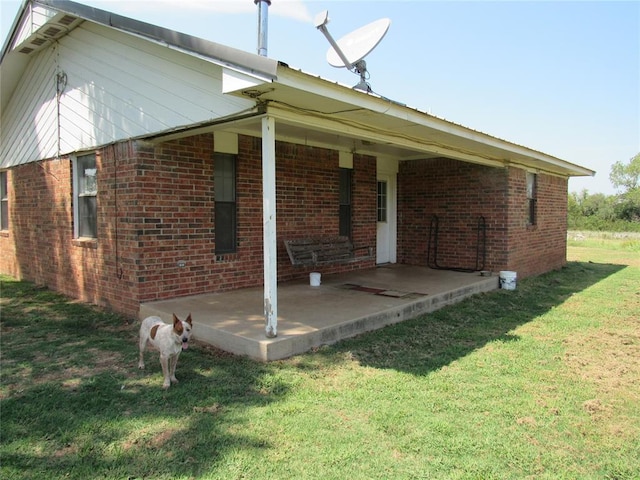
column 559, row 77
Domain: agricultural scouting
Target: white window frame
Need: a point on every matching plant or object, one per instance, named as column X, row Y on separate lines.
column 4, row 199
column 77, row 195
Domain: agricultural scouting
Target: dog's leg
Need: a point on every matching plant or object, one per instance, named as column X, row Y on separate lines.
column 143, row 344
column 173, row 362
column 166, row 365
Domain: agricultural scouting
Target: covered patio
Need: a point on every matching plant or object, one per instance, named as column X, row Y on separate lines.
column 344, row 305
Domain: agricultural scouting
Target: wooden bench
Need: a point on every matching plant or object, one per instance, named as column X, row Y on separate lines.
column 323, row 250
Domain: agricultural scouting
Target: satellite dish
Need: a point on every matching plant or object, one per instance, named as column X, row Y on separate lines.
column 359, row 43
column 351, row 49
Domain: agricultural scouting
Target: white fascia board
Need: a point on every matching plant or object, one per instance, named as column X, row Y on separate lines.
column 235, row 80
column 226, row 65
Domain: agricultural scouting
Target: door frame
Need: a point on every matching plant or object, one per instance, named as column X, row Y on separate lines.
column 387, row 170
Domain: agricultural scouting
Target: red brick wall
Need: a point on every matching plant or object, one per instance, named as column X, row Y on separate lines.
column 458, row 193
column 535, row 249
column 177, row 219
column 173, row 217
column 155, row 208
column 308, row 203
column 365, row 198
column 115, row 280
column 41, row 236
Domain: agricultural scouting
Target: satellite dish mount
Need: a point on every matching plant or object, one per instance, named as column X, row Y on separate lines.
column 350, row 50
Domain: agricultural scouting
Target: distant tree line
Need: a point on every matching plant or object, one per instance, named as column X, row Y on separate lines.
column 614, row 213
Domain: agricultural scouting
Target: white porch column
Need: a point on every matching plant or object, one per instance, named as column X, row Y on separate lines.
column 269, row 226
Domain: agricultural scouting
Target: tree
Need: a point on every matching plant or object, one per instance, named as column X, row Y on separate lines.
column 626, row 176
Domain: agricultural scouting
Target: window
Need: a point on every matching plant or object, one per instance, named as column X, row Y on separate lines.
column 85, row 195
column 382, row 201
column 4, row 202
column 345, row 202
column 532, row 187
column 224, row 169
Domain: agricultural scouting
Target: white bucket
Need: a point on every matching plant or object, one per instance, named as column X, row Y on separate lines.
column 508, row 280
column 314, row 279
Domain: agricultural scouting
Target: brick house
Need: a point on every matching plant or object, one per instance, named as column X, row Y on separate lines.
column 140, row 164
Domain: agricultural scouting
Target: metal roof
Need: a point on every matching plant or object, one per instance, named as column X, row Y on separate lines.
column 308, row 108
column 71, row 14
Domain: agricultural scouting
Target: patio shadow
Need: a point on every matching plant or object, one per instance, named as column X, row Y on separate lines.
column 431, row 341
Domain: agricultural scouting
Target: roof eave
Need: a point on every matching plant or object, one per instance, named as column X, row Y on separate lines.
column 384, row 106
column 249, row 62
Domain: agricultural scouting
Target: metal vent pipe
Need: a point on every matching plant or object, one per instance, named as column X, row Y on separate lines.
column 263, row 25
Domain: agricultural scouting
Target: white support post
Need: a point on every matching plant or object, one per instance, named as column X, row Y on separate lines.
column 269, row 228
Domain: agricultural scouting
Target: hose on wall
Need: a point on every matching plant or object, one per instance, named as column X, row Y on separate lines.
column 480, row 247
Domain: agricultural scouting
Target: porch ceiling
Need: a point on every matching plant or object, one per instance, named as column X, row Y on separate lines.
column 327, row 134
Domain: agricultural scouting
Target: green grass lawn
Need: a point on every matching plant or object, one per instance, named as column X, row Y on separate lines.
column 540, row 382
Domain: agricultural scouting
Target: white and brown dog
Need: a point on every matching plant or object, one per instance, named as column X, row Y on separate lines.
column 170, row 340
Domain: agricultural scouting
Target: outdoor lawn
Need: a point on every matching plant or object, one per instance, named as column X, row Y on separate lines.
column 540, row 382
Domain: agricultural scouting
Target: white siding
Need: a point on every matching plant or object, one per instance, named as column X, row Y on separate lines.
column 29, row 130
column 118, row 86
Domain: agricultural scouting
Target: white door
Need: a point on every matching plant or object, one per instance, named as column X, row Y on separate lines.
column 386, row 237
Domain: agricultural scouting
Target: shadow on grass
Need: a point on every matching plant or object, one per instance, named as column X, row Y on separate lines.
column 431, row 341
column 75, row 405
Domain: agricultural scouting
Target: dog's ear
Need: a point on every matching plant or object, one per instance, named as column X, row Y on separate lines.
column 175, row 319
column 188, row 320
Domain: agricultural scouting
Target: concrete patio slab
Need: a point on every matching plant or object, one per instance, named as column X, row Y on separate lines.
column 342, row 306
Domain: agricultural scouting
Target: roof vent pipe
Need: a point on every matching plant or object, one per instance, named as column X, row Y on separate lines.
column 263, row 21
